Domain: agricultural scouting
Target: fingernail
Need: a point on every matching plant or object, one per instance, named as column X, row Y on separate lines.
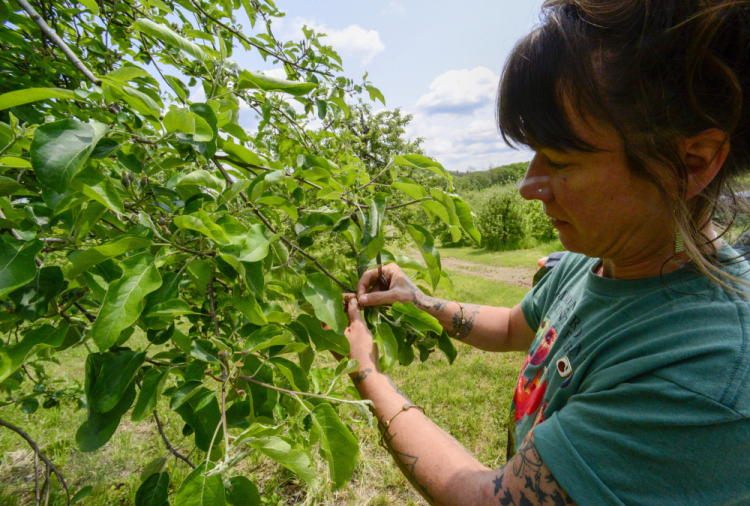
column 363, row 299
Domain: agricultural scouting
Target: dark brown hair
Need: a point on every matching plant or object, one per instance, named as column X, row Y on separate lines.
column 657, row 72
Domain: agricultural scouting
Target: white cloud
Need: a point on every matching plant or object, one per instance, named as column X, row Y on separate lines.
column 353, row 43
column 394, row 8
column 460, row 92
column 463, row 141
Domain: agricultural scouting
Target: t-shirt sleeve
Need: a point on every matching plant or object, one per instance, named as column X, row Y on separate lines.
column 647, row 442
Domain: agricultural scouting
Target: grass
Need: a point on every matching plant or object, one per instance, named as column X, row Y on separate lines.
column 469, row 399
column 516, row 258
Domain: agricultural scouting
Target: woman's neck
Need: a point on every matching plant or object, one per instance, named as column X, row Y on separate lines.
column 658, row 263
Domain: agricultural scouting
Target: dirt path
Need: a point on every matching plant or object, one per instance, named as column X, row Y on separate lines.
column 520, row 276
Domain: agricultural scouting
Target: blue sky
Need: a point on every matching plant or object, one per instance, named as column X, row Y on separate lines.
column 436, row 59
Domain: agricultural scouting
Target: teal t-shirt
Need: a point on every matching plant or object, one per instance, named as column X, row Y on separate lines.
column 638, row 391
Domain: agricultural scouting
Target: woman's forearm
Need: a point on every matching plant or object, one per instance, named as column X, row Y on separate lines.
column 485, row 327
column 434, row 462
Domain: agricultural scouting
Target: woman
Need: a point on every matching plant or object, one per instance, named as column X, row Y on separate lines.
column 636, row 388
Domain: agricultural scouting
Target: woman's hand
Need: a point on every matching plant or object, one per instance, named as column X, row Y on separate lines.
column 400, row 287
column 362, row 346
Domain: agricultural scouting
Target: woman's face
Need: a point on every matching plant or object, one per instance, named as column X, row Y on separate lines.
column 598, row 207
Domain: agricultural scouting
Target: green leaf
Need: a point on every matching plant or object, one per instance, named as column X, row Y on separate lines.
column 323, row 340
column 125, row 299
column 388, row 346
column 202, row 413
column 203, row 350
column 327, row 300
column 342, row 105
column 156, row 466
column 199, row 490
column 169, row 309
column 258, row 81
column 242, row 154
column 98, row 187
column 202, row 178
column 410, row 188
column 32, row 300
column 154, row 491
column 178, row 86
column 9, row 187
column 202, row 223
column 99, row 427
column 179, row 120
column 289, row 456
column 242, row 492
column 446, row 346
column 184, row 392
column 128, row 73
column 118, row 372
column 421, row 162
column 448, row 214
column 466, row 218
column 151, row 388
column 29, row 95
column 266, row 337
column 33, row 340
column 426, row 245
column 82, row 494
column 293, row 373
column 421, row 321
column 94, row 256
column 165, row 34
column 337, row 444
column 17, row 265
column 254, row 247
column 375, row 94
column 60, row 149
column 249, row 308
column 91, row 5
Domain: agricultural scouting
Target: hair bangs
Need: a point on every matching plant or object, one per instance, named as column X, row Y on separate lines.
column 542, row 73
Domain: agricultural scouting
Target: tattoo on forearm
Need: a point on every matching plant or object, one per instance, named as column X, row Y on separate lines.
column 407, row 463
column 540, row 487
column 361, row 376
column 397, row 389
column 425, row 302
column 461, row 330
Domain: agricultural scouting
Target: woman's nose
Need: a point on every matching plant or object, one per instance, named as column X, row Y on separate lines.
column 536, row 182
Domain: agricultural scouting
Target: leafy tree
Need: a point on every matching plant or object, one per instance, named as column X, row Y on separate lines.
column 126, row 206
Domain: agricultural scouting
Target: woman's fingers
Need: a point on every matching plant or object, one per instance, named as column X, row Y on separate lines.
column 377, row 298
column 366, row 281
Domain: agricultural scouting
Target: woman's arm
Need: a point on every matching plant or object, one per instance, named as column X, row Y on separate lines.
column 441, row 470
column 485, row 327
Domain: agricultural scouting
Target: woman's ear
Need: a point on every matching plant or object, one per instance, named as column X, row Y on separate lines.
column 704, row 155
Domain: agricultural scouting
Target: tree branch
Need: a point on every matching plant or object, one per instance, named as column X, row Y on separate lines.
column 37, row 452
column 50, row 34
column 168, row 445
column 391, row 208
column 273, row 230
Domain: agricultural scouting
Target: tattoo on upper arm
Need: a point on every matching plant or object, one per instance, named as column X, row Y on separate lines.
column 361, row 376
column 461, row 330
column 539, row 486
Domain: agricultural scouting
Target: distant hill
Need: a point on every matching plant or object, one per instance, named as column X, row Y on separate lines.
column 481, row 179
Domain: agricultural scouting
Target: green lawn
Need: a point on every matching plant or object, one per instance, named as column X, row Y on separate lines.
column 516, row 258
column 469, row 399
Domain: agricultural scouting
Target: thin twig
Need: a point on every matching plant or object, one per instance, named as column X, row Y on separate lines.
column 282, row 390
column 171, row 449
column 50, row 467
column 273, row 231
column 50, row 34
column 143, row 46
column 407, row 204
column 213, row 302
column 88, row 315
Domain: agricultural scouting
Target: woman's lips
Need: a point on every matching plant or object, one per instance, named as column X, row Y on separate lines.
column 558, row 223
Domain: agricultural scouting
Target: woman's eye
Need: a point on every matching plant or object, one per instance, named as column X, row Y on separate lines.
column 556, row 165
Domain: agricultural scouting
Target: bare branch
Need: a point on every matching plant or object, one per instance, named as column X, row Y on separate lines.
column 50, row 466
column 170, row 448
column 50, row 34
